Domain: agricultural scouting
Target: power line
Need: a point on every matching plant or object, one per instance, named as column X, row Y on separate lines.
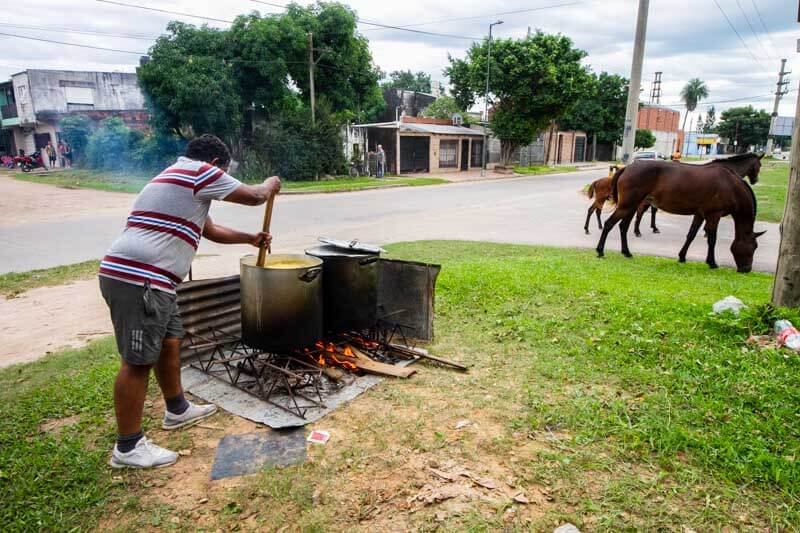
column 80, row 32
column 72, row 44
column 752, row 29
column 739, row 36
column 766, row 31
column 487, row 16
column 386, row 26
column 740, row 99
column 148, row 8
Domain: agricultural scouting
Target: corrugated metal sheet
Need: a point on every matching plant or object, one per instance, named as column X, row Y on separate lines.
column 439, row 129
column 206, row 305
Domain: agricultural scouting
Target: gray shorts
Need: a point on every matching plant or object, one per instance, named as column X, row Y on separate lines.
column 142, row 318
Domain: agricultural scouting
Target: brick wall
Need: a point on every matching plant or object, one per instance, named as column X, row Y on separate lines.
column 658, row 119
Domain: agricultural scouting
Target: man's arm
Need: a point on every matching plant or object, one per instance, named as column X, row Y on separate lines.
column 255, row 194
column 223, row 235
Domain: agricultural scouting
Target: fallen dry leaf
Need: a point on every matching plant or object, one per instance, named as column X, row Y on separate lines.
column 521, row 498
column 442, row 475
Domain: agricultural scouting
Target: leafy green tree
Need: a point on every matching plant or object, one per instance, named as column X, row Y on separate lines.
column 76, row 131
column 601, row 109
column 533, row 81
column 405, row 79
column 745, row 125
column 202, row 79
column 190, row 90
column 445, row 107
column 110, row 146
column 691, row 94
column 711, row 121
column 644, row 139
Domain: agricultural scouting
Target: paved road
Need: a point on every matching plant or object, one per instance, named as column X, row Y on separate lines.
column 536, row 210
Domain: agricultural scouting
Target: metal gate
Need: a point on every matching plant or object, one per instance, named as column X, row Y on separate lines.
column 414, row 154
column 580, row 149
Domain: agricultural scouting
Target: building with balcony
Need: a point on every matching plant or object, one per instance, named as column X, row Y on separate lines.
column 33, row 103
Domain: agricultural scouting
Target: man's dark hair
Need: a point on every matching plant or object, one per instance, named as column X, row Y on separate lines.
column 207, row 148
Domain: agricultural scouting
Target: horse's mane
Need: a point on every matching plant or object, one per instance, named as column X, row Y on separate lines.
column 734, row 158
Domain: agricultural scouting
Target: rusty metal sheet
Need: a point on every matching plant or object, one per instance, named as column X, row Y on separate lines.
column 207, row 304
column 407, row 294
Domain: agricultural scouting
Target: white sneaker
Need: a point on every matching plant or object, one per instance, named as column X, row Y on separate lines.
column 193, row 414
column 144, row 455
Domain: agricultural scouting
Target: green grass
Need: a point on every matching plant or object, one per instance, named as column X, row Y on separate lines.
column 14, row 283
column 535, row 170
column 133, row 183
column 605, row 382
column 773, row 183
column 89, row 179
column 342, row 184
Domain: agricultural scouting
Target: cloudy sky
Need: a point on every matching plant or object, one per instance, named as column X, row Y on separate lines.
column 685, row 38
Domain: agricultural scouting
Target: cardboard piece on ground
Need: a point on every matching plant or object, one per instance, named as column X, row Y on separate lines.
column 238, row 455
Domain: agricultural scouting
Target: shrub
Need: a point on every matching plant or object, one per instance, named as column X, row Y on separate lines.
column 76, row 131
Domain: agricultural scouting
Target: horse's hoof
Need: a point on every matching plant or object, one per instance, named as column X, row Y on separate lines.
column 600, row 255
column 587, row 231
column 627, row 254
column 681, row 259
column 637, row 233
column 713, row 265
column 656, row 230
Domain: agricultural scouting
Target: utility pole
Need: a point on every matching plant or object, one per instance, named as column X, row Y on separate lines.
column 655, row 89
column 486, row 98
column 786, row 289
column 632, row 110
column 779, row 92
column 311, row 65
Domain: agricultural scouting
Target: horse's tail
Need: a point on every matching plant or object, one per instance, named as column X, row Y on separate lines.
column 614, row 180
column 592, row 187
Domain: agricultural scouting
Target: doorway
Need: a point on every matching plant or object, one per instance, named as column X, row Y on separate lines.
column 465, row 154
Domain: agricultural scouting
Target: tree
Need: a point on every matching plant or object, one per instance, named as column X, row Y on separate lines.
column 76, row 131
column 691, row 94
column 644, row 139
column 202, row 79
column 601, row 110
column 744, row 125
column 533, row 81
column 405, row 79
column 445, row 107
column 711, row 121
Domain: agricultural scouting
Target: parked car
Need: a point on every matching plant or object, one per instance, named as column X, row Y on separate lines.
column 649, row 154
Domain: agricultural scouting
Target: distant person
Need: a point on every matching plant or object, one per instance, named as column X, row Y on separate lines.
column 61, row 151
column 138, row 278
column 676, row 155
column 68, row 154
column 52, row 155
column 381, row 161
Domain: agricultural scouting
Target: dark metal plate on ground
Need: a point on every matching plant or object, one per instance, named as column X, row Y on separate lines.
column 239, row 455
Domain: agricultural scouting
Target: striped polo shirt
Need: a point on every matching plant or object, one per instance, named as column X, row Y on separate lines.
column 164, row 228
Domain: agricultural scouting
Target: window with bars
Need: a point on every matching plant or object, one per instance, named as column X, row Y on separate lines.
column 447, row 154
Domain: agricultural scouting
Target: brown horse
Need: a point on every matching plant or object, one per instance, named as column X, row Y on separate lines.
column 744, row 165
column 708, row 192
column 601, row 191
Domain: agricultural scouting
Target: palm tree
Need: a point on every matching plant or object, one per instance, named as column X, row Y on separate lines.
column 691, row 94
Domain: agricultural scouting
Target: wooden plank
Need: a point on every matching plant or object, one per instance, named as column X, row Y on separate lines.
column 425, row 355
column 365, row 363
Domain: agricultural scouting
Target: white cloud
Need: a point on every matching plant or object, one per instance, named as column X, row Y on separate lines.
column 686, row 38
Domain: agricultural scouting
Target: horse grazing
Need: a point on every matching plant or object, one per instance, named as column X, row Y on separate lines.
column 600, row 189
column 708, row 192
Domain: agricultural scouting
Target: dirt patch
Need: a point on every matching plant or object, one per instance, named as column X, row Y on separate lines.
column 23, row 202
column 55, row 426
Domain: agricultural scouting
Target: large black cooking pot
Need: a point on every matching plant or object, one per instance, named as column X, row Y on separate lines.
column 350, row 288
column 281, row 302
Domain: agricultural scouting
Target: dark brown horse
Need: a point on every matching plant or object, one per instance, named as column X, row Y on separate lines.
column 708, row 192
column 744, row 165
column 601, row 191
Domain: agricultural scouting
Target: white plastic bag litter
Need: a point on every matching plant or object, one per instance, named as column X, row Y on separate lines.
column 729, row 303
column 787, row 334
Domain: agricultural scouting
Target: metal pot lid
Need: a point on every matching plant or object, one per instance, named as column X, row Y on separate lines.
column 334, row 251
column 354, row 245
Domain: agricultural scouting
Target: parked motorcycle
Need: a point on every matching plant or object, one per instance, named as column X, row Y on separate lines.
column 26, row 163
